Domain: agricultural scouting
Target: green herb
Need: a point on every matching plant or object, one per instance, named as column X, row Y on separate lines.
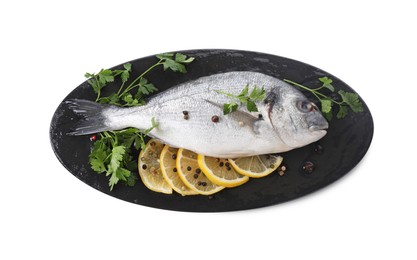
column 348, row 99
column 244, row 98
column 112, row 154
column 175, row 63
column 112, row 151
column 99, row 81
column 125, row 97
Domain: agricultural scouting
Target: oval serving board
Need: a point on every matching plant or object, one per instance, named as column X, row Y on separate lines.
column 344, row 146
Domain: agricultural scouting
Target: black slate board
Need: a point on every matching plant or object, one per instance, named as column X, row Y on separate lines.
column 345, row 144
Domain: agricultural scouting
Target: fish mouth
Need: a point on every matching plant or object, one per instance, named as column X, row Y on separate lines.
column 320, row 128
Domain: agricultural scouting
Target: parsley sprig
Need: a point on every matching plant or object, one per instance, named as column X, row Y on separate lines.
column 348, row 99
column 244, row 98
column 124, row 97
column 112, row 154
column 112, row 151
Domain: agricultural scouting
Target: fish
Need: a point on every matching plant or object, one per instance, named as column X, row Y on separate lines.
column 190, row 116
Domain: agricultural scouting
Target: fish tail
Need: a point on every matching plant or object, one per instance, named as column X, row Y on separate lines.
column 93, row 119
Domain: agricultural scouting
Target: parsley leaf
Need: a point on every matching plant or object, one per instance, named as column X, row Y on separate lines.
column 99, row 80
column 98, row 156
column 113, row 99
column 352, row 100
column 122, row 174
column 164, row 56
column 229, row 108
column 326, row 108
column 175, row 63
column 251, row 106
column 116, row 157
column 174, row 66
column 343, row 110
column 327, row 83
column 257, row 94
column 145, row 87
column 131, row 180
column 105, row 76
column 113, row 181
column 181, row 58
column 130, row 101
column 326, row 105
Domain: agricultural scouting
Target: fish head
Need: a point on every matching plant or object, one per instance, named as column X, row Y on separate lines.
column 294, row 118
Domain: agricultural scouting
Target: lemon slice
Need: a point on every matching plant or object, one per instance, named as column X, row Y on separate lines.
column 220, row 171
column 191, row 174
column 149, row 168
column 170, row 172
column 256, row 166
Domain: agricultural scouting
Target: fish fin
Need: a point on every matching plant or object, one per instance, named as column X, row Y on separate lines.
column 93, row 120
column 247, row 118
column 214, row 103
column 243, row 113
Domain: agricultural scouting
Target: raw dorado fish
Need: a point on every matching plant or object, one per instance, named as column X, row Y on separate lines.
column 286, row 118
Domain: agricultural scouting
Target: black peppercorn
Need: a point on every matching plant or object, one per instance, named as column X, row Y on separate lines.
column 215, row 119
column 308, row 167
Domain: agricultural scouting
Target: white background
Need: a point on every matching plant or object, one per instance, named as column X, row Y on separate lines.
column 47, row 46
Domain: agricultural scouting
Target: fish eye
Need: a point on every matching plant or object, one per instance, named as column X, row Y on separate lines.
column 306, row 106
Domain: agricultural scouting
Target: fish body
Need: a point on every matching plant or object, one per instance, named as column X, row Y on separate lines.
column 190, row 116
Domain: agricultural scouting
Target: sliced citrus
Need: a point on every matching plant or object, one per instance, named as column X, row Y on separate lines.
column 170, row 172
column 256, row 166
column 149, row 168
column 191, row 174
column 220, row 171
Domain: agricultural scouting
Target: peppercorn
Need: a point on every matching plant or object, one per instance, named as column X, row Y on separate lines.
column 215, row 119
column 308, row 167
